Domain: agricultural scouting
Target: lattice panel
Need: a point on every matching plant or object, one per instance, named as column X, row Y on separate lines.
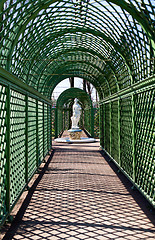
column 144, row 142
column 126, row 135
column 17, row 145
column 53, row 122
column 107, row 127
column 40, row 131
column 49, row 117
column 114, row 131
column 98, row 56
column 45, row 130
column 60, row 118
column 81, row 119
column 101, row 123
column 87, row 120
column 32, row 158
column 96, row 122
column 66, row 119
column 2, row 152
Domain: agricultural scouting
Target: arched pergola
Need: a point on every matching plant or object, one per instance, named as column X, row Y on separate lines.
column 64, row 110
column 109, row 43
column 114, row 42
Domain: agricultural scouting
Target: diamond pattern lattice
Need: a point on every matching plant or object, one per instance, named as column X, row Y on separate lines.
column 114, row 130
column 96, row 122
column 126, row 135
column 40, row 131
column 32, row 158
column 52, row 125
column 87, row 120
column 144, row 152
column 107, row 127
column 2, row 152
column 66, row 118
column 45, row 130
column 17, row 145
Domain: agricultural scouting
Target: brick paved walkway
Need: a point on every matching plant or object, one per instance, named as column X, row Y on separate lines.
column 81, row 196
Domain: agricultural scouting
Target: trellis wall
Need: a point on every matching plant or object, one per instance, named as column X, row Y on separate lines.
column 53, row 122
column 127, row 134
column 86, row 121
column 96, row 122
column 89, row 121
column 66, row 118
column 63, row 121
column 25, row 139
column 59, row 122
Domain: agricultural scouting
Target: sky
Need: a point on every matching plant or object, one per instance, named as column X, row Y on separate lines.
column 63, row 85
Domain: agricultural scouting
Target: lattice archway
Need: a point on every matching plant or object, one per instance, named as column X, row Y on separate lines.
column 38, row 36
column 64, row 110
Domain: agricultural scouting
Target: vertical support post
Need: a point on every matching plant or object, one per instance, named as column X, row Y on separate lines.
column 43, row 129
column 37, row 136
column 70, row 118
column 83, row 118
column 59, row 121
column 1, row 18
column 133, row 135
column 51, row 134
column 71, row 80
column 119, row 132
column 56, row 122
column 101, row 124
column 26, row 138
column 84, row 85
column 104, row 125
column 60, row 127
column 48, row 130
column 8, row 98
column 63, row 129
column 67, row 118
column 110, row 110
column 92, row 121
column 49, row 126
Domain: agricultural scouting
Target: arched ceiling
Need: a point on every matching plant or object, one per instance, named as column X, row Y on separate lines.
column 110, row 43
column 70, row 94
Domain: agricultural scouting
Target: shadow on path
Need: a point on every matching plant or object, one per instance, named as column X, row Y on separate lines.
column 79, row 195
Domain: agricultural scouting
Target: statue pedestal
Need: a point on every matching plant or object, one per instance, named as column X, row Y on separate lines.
column 75, row 137
column 75, row 133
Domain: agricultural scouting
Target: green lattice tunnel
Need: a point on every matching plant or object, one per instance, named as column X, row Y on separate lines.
column 110, row 44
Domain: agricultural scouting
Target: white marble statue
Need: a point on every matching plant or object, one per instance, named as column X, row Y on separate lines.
column 76, row 114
